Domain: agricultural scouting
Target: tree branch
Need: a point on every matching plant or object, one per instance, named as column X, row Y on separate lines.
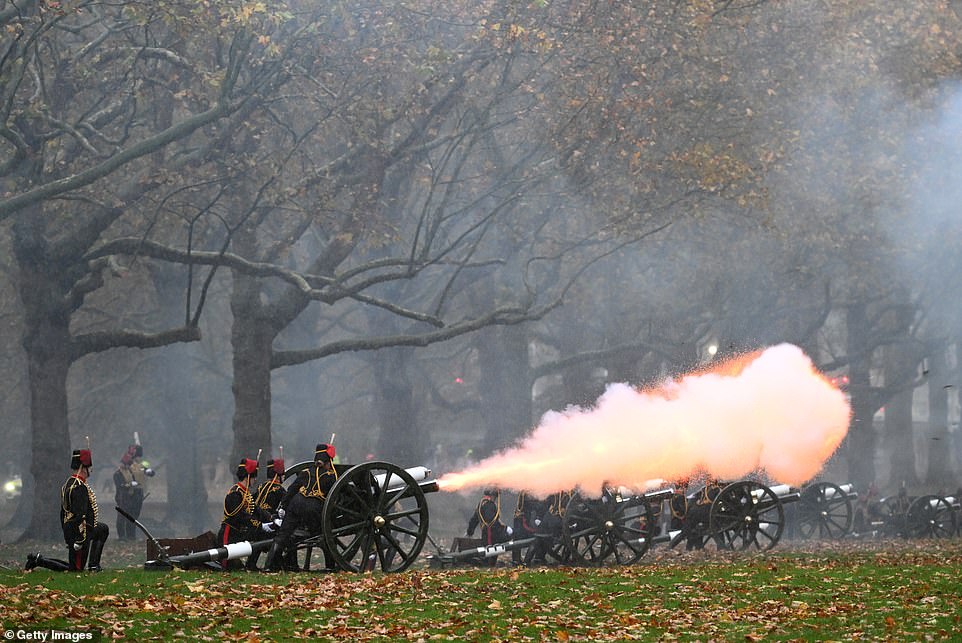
column 98, row 342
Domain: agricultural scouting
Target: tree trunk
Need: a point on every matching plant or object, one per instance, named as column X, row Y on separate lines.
column 401, row 441
column 186, row 490
column 252, row 338
column 939, row 471
column 505, row 386
column 900, row 438
column 860, row 442
column 46, row 341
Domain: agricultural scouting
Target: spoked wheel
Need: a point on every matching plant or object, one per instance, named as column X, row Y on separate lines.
column 930, row 517
column 609, row 530
column 747, row 514
column 824, row 511
column 375, row 516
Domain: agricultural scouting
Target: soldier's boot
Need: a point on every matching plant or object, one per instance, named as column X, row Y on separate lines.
column 36, row 560
column 290, row 560
column 251, row 565
column 96, row 550
column 274, row 557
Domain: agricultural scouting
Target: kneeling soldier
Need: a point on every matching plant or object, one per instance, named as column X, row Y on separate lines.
column 84, row 536
column 242, row 520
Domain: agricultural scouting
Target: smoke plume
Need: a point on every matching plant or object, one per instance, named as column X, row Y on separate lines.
column 769, row 411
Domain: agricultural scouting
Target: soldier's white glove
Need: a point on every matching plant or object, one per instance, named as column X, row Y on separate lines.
column 78, row 546
column 278, row 522
column 280, row 512
column 134, row 483
column 510, row 530
column 267, row 527
column 537, row 522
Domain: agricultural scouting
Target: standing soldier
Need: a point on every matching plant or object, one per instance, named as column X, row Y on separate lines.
column 129, row 484
column 302, row 506
column 84, row 536
column 242, row 520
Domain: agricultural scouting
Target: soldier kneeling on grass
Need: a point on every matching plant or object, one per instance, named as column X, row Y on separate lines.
column 83, row 534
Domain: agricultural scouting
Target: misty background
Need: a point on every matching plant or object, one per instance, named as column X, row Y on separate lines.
column 421, row 227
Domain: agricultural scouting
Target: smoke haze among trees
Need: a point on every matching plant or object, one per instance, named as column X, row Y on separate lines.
column 239, row 225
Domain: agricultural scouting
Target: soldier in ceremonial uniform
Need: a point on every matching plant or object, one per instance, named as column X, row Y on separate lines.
column 488, row 515
column 268, row 498
column 527, row 520
column 302, row 506
column 242, row 520
column 129, row 483
column 83, row 534
column 696, row 520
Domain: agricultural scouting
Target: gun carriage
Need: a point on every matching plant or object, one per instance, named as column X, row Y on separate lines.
column 741, row 515
column 375, row 517
column 925, row 516
column 612, row 529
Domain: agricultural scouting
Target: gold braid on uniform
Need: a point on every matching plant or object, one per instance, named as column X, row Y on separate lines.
column 558, row 508
column 519, row 509
column 497, row 514
column 683, row 512
column 315, row 491
column 93, row 502
column 246, row 501
column 261, row 499
column 68, row 515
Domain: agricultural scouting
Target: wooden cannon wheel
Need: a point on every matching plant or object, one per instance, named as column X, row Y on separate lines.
column 746, row 514
column 375, row 517
column 930, row 516
column 824, row 511
column 607, row 530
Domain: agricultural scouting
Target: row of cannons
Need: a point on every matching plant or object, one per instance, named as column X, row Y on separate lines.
column 376, row 518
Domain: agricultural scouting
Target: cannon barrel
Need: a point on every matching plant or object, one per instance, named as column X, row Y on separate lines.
column 228, row 552
column 486, row 551
column 658, row 496
column 418, row 473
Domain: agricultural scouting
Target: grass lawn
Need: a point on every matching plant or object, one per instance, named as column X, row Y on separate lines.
column 877, row 590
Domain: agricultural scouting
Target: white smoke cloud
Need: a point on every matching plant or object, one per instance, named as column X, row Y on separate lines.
column 770, row 411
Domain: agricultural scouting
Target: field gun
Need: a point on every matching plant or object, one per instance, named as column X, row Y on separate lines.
column 375, row 517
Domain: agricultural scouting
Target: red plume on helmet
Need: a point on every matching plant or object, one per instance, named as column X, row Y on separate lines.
column 81, row 458
column 246, row 467
column 324, row 452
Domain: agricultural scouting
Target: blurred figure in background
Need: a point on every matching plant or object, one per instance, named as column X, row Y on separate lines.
column 130, row 481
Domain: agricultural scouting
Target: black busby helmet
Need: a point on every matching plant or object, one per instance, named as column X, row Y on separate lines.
column 276, row 465
column 81, row 458
column 247, row 467
column 324, row 452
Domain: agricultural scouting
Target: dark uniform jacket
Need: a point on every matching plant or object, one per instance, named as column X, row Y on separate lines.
column 312, row 483
column 488, row 515
column 528, row 510
column 78, row 510
column 240, row 513
column 269, row 495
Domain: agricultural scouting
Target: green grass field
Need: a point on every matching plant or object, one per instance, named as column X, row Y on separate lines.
column 894, row 590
